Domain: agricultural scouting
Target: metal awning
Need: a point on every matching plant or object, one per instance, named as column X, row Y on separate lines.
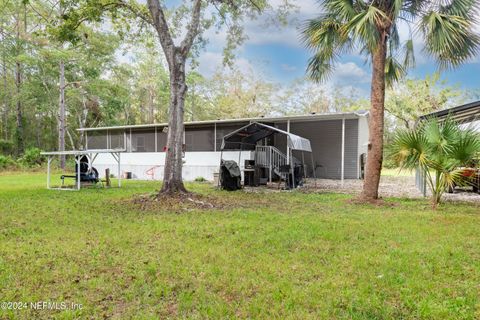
column 465, row 113
column 246, row 138
column 91, row 154
column 81, row 152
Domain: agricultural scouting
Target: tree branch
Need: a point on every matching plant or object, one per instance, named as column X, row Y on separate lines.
column 161, row 25
column 136, row 12
column 193, row 27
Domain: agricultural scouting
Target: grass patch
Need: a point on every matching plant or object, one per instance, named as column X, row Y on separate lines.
column 268, row 255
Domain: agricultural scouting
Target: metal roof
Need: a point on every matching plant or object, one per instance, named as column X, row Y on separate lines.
column 465, row 113
column 308, row 117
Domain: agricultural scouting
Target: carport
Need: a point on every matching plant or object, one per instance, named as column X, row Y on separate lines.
column 250, row 138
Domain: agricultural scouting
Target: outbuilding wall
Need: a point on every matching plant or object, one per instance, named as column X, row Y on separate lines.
column 326, row 140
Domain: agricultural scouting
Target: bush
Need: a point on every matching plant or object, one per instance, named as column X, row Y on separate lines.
column 389, row 159
column 6, row 147
column 32, row 158
column 390, row 163
column 7, row 162
column 441, row 149
column 200, row 179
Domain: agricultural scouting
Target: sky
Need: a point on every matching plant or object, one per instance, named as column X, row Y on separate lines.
column 277, row 55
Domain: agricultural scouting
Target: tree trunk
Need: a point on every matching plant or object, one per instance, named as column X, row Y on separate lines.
column 61, row 107
column 375, row 146
column 61, row 115
column 19, row 132
column 5, row 100
column 151, row 107
column 176, row 57
column 19, row 114
column 172, row 178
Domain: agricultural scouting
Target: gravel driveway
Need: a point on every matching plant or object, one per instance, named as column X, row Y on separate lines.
column 390, row 186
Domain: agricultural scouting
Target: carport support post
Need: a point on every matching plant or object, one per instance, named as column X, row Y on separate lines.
column 343, row 150
column 292, row 170
column 77, row 161
column 49, row 161
column 119, row 175
column 288, row 147
column 220, row 168
column 270, row 154
column 288, row 153
column 314, row 169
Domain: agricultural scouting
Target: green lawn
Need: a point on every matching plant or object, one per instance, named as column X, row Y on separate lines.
column 285, row 255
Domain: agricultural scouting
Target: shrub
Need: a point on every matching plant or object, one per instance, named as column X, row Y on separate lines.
column 439, row 149
column 200, row 179
column 6, row 147
column 6, row 162
column 32, row 158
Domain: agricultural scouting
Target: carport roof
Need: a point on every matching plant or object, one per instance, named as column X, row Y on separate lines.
column 465, row 113
column 246, row 138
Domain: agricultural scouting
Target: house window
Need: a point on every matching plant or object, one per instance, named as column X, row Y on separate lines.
column 97, row 140
column 117, row 139
column 199, row 139
column 140, row 143
column 143, row 140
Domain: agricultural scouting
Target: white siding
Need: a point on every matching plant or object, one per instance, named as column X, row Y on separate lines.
column 150, row 165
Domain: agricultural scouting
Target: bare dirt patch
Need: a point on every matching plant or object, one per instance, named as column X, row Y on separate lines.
column 178, row 203
column 375, row 202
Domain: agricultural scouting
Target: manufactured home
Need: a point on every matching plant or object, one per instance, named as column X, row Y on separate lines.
column 339, row 143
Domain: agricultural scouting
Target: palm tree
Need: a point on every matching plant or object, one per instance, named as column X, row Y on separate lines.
column 371, row 26
column 439, row 149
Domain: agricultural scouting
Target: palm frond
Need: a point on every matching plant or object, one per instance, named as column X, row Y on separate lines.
column 325, row 37
column 410, row 149
column 394, row 39
column 363, row 27
column 319, row 69
column 466, row 147
column 462, row 8
column 449, row 38
column 344, row 10
column 409, row 54
column 394, row 71
column 441, row 136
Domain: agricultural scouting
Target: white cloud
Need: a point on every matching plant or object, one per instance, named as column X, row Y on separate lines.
column 263, row 31
column 260, row 32
column 210, row 62
column 349, row 73
column 288, row 68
